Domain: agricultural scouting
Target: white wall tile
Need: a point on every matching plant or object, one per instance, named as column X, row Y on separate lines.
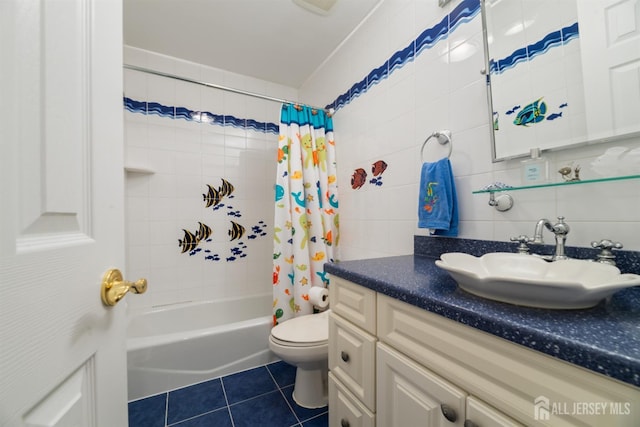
column 185, row 156
column 443, row 94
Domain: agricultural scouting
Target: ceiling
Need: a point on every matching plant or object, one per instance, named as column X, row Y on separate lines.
column 273, row 40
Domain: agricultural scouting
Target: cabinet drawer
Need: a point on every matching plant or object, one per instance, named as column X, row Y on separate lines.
column 352, row 358
column 353, row 302
column 346, row 410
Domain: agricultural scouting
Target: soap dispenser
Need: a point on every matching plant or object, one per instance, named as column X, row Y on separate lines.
column 535, row 170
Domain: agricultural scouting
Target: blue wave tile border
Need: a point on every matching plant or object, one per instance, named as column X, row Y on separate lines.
column 377, row 75
column 464, row 12
column 402, row 57
column 429, row 37
column 551, row 40
column 184, row 113
column 358, row 88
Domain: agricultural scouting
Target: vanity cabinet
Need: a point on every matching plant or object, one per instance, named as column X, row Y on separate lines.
column 432, row 371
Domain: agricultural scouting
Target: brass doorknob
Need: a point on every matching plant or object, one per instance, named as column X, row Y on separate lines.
column 113, row 288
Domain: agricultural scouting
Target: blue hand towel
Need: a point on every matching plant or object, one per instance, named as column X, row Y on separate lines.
column 438, row 204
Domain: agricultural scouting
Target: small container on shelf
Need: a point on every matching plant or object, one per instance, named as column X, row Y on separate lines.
column 535, row 170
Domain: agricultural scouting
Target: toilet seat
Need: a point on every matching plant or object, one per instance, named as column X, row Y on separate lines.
column 304, row 331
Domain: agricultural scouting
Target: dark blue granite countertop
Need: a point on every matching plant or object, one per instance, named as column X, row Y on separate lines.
column 604, row 339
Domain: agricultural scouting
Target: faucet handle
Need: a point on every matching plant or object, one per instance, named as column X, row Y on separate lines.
column 523, row 240
column 561, row 227
column 606, row 246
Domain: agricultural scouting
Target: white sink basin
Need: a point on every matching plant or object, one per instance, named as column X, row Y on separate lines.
column 531, row 281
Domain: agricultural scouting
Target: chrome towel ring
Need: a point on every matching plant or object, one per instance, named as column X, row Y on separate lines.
column 437, row 134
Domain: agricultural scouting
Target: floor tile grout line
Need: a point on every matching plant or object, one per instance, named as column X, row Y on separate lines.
column 254, row 397
column 289, row 405
column 197, row 416
column 316, row 416
column 166, row 409
column 226, row 400
column 283, row 396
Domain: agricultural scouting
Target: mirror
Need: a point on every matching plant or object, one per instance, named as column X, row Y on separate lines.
column 561, row 73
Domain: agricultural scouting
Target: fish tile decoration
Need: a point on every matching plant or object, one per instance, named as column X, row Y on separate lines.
column 377, row 169
column 534, row 111
column 527, row 99
column 194, row 243
column 359, row 177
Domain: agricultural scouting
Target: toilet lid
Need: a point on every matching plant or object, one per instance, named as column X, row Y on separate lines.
column 308, row 329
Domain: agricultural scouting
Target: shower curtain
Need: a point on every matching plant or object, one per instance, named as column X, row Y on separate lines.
column 306, row 232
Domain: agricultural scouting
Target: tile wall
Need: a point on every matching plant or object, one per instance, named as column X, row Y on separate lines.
column 168, row 133
column 441, row 87
column 410, row 69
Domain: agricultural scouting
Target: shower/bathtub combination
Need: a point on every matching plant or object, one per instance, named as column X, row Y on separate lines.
column 182, row 344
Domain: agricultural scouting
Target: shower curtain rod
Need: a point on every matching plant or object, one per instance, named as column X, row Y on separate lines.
column 215, row 86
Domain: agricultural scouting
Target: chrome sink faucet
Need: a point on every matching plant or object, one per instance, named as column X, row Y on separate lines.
column 559, row 229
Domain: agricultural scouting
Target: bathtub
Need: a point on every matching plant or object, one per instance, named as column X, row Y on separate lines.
column 182, row 344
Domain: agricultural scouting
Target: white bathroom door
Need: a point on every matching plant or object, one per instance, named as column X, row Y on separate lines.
column 62, row 352
column 610, row 41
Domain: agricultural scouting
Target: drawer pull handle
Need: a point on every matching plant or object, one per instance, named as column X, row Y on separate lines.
column 344, row 356
column 344, row 423
column 469, row 423
column 449, row 413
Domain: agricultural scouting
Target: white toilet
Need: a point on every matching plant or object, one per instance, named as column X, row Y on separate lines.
column 303, row 342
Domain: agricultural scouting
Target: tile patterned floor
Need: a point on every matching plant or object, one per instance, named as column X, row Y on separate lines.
column 257, row 397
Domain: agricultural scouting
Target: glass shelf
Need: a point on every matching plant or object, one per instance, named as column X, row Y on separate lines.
column 559, row 184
